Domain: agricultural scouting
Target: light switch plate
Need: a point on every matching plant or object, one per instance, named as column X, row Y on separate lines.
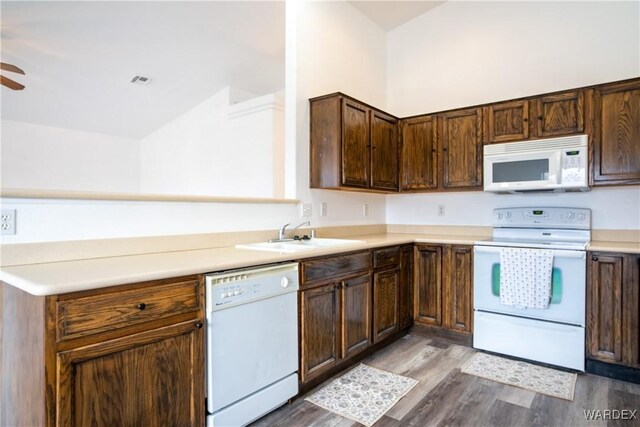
column 323, row 209
column 306, row 209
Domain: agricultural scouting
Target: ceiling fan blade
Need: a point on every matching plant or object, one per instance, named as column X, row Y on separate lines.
column 10, row 67
column 10, row 83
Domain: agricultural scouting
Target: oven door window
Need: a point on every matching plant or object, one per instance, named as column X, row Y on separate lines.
column 521, row 171
column 556, row 283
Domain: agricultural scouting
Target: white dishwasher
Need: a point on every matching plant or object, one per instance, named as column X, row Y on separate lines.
column 252, row 342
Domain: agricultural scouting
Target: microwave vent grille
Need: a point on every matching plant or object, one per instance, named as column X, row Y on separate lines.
column 573, row 141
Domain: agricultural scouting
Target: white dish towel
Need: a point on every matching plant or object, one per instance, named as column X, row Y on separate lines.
column 525, row 277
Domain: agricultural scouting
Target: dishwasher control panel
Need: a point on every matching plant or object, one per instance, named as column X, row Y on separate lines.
column 241, row 286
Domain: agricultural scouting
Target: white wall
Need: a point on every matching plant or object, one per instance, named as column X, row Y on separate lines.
column 465, row 53
column 611, row 208
column 51, row 158
column 338, row 49
column 218, row 148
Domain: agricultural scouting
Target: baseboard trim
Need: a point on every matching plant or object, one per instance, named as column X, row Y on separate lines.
column 617, row 372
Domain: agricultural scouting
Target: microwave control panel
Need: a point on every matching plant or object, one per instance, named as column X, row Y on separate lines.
column 574, row 168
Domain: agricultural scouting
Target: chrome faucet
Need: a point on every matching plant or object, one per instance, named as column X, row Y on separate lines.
column 283, row 230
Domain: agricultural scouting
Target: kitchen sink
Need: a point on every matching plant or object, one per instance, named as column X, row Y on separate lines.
column 291, row 246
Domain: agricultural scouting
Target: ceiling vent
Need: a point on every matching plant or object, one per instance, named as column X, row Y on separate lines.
column 141, row 80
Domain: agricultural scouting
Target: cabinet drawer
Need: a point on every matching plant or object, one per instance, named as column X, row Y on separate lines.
column 388, row 257
column 91, row 314
column 334, row 267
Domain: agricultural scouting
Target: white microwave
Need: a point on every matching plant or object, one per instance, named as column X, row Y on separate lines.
column 554, row 164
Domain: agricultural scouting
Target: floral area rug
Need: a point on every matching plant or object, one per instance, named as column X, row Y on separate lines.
column 524, row 375
column 363, row 394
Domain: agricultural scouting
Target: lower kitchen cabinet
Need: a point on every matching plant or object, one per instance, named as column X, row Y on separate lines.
column 320, row 329
column 349, row 305
column 613, row 305
column 386, row 287
column 69, row 366
column 356, row 315
column 443, row 287
column 406, row 286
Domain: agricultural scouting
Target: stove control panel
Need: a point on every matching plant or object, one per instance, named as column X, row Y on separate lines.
column 542, row 217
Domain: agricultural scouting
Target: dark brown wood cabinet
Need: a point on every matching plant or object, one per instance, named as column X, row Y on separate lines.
column 461, row 132
column 444, row 287
column 557, row 114
column 353, row 145
column 428, row 285
column 384, row 152
column 613, row 308
column 335, row 311
column 419, row 165
column 458, row 288
column 123, row 355
column 506, row 121
column 356, row 315
column 406, row 286
column 320, row 329
column 351, row 304
column 616, row 134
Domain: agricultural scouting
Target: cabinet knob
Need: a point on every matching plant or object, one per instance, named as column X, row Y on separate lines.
column 525, row 119
column 594, row 258
column 445, row 149
column 199, row 325
column 142, row 306
column 433, row 150
column 540, row 117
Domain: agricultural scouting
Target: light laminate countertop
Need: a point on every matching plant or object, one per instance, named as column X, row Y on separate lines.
column 71, row 276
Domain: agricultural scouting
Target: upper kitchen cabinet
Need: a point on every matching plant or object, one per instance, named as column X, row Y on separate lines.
column 384, row 151
column 353, row 146
column 558, row 114
column 506, row 121
column 461, row 132
column 616, row 134
column 419, row 154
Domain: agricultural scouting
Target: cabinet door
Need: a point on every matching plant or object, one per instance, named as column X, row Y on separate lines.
column 507, row 121
column 356, row 315
column 458, row 288
column 428, row 274
column 462, row 148
column 419, row 154
column 355, row 144
column 384, row 151
column 153, row 378
column 385, row 303
column 319, row 329
column 604, row 308
column 616, row 140
column 406, row 286
column 631, row 310
column 561, row 114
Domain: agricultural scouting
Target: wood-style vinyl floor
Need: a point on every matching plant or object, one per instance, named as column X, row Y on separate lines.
column 447, row 397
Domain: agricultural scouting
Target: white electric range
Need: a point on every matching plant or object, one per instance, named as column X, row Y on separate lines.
column 555, row 334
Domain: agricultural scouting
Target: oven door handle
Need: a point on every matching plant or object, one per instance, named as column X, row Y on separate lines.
column 556, row 252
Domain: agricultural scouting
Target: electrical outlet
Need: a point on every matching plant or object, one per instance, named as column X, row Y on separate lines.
column 365, row 209
column 440, row 210
column 8, row 224
column 306, row 209
column 323, row 208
